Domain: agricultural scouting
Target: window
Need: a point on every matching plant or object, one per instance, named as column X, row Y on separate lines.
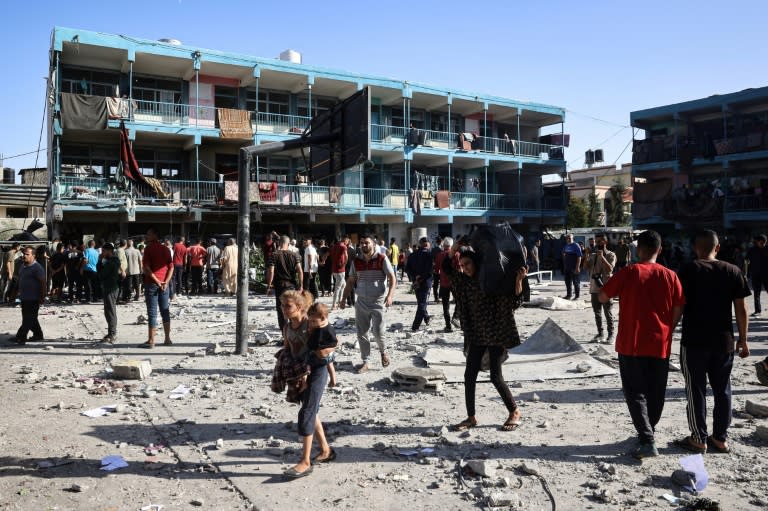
column 270, row 102
column 96, row 161
column 156, row 89
column 92, row 83
column 398, row 117
column 159, row 163
column 319, row 105
column 225, row 97
column 439, row 122
column 16, row 212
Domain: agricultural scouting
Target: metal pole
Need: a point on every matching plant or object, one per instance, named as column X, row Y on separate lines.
column 197, row 170
column 130, row 91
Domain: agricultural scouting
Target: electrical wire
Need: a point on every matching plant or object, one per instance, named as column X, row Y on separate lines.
column 24, row 154
column 37, row 156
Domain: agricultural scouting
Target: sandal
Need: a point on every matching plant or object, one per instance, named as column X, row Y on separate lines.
column 167, row 343
column 317, row 459
column 688, row 445
column 464, row 425
column 512, row 423
column 723, row 448
column 147, row 345
column 384, row 360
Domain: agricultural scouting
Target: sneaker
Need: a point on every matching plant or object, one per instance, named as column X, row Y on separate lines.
column 108, row 339
column 610, row 339
column 36, row 338
column 448, row 329
column 645, row 450
column 566, row 297
column 599, row 337
column 755, row 314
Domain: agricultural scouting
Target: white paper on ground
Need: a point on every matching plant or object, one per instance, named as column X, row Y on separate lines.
column 98, row 412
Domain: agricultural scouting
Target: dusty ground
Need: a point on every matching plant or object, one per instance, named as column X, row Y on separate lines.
column 574, row 432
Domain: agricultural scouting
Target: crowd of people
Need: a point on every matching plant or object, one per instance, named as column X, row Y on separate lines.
column 653, row 299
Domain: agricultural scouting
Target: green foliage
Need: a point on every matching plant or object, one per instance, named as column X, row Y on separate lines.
column 616, row 215
column 593, row 211
column 256, row 261
column 578, row 212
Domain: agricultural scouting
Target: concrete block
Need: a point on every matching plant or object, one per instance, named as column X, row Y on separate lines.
column 419, row 379
column 131, row 369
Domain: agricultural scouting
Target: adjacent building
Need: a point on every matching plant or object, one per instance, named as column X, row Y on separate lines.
column 703, row 163
column 441, row 159
column 612, row 189
column 21, row 204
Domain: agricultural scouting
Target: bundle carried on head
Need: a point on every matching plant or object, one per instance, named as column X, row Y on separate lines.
column 501, row 253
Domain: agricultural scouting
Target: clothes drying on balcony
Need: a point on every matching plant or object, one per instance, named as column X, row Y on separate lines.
column 268, row 191
column 334, row 194
column 157, row 187
column 117, row 108
column 416, row 201
column 443, row 199
column 230, row 190
column 81, row 112
column 234, row 123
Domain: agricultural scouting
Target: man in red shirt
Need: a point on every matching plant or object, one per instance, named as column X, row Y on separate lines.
column 179, row 258
column 650, row 306
column 158, row 272
column 196, row 254
column 339, row 258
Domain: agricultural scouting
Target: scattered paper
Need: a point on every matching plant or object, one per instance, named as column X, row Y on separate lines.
column 671, row 498
column 98, row 412
column 179, row 392
column 110, row 463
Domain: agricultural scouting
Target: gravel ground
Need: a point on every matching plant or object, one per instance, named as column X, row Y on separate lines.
column 224, row 443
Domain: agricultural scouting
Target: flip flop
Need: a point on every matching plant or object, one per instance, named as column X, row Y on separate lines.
column 464, row 425
column 292, row 473
column 363, row 368
column 685, row 444
column 147, row 345
column 725, row 449
column 167, row 343
column 327, row 459
column 510, row 425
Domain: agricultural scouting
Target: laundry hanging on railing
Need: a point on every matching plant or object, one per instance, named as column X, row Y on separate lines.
column 234, row 123
column 415, row 201
column 131, row 170
column 81, row 112
column 443, row 199
column 425, row 182
column 334, row 194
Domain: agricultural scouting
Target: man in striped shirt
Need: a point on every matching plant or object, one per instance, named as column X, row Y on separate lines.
column 372, row 278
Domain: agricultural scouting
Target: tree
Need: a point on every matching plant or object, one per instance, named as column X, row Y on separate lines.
column 577, row 214
column 593, row 210
column 616, row 216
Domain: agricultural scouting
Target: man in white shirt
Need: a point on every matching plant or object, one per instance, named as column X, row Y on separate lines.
column 310, row 267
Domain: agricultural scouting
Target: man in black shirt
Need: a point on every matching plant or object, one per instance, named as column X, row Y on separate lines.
column 419, row 268
column 283, row 273
column 757, row 255
column 711, row 288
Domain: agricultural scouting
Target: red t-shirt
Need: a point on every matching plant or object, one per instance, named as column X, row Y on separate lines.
column 647, row 294
column 339, row 258
column 179, row 254
column 445, row 280
column 157, row 258
column 197, row 255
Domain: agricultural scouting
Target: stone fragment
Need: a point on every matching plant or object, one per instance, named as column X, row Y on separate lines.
column 530, row 468
column 584, row 367
column 535, row 398
column 500, row 499
column 419, row 379
column 220, row 443
column 606, row 468
column 484, row 468
column 197, row 502
column 131, row 369
column 756, row 409
column 761, row 432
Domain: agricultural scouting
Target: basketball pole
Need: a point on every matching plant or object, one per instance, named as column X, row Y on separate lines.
column 245, row 157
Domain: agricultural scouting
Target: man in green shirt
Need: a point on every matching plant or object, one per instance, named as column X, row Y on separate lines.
column 109, row 272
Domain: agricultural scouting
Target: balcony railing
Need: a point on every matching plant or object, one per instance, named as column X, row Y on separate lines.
column 100, row 188
column 279, row 123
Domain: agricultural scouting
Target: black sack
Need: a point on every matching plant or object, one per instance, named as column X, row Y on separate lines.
column 501, row 253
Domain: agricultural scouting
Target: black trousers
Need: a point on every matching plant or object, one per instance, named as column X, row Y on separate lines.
column 644, row 382
column 445, row 296
column 280, row 318
column 197, row 279
column 422, row 297
column 474, row 363
column 436, row 286
column 759, row 282
column 572, row 280
column 698, row 366
column 178, row 282
column 110, row 310
column 310, row 283
column 29, row 310
column 92, row 286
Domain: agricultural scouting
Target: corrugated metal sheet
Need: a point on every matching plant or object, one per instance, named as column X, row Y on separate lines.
column 23, row 195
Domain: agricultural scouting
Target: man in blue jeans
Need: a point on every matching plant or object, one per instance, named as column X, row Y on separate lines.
column 158, row 272
column 572, row 255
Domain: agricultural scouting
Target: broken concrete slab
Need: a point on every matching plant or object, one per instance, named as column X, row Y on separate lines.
column 550, row 353
column 419, row 379
column 756, row 409
column 131, row 369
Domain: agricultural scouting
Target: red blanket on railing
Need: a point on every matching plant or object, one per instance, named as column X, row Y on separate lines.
column 268, row 192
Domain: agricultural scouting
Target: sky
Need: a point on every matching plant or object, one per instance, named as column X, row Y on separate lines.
column 600, row 60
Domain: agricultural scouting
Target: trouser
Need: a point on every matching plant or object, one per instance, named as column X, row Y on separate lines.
column 533, row 267
column 644, row 382
column 178, row 281
column 29, row 310
column 135, row 285
column 212, row 278
column 310, row 400
column 758, row 283
column 110, row 310
column 369, row 319
column 435, row 286
column 602, row 308
column 197, row 279
column 572, row 281
column 280, row 318
column 310, row 283
column 422, row 297
column 474, row 363
column 698, row 366
column 157, row 298
column 445, row 296
column 75, row 287
column 92, row 286
column 338, row 288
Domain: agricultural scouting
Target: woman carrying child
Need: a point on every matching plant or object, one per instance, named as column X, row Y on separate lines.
column 296, row 335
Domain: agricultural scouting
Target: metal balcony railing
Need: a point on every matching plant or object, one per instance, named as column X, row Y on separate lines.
column 100, row 188
column 279, row 123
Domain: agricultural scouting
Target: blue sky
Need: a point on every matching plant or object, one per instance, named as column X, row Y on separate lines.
column 598, row 59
